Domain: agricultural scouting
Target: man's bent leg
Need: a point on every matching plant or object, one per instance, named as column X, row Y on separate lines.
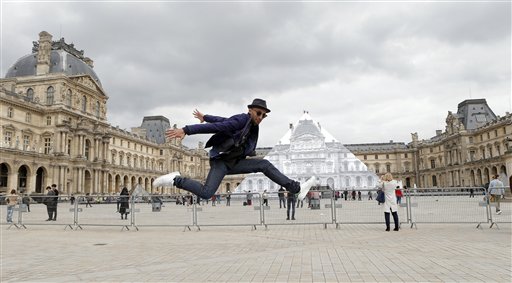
column 245, row 166
column 217, row 172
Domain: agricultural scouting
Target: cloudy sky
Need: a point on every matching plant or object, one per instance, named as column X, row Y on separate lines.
column 368, row 72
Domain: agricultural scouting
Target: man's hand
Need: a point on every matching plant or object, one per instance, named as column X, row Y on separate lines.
column 198, row 115
column 175, row 133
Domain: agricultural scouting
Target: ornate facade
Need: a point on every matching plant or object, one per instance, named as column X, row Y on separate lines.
column 54, row 130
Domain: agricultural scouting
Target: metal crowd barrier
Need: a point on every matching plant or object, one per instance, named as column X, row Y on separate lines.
column 364, row 209
column 432, row 205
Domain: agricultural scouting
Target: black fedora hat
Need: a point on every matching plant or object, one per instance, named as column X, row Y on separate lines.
column 259, row 103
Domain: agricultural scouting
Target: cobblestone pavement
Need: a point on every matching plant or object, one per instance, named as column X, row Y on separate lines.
column 297, row 253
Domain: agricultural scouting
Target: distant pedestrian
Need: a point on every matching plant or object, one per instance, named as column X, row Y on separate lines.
column 496, row 190
column 291, row 198
column 56, row 201
column 399, row 195
column 228, row 198
column 265, row 198
column 370, row 197
column 345, row 194
column 280, row 194
column 471, row 193
column 12, row 200
column 72, row 199
column 214, row 199
column 51, row 204
column 358, row 195
column 353, row 194
column 249, row 198
column 124, row 203
column 88, row 199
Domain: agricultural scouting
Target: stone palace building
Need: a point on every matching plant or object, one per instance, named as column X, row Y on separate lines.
column 54, row 130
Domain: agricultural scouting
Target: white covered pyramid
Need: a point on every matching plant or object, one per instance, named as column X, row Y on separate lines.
column 307, row 149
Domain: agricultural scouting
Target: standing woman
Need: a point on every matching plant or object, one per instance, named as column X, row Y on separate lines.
column 388, row 185
column 124, row 203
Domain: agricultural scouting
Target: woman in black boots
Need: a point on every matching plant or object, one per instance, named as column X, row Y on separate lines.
column 388, row 185
column 124, row 200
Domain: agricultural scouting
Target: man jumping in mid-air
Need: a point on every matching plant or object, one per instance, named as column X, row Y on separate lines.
column 234, row 139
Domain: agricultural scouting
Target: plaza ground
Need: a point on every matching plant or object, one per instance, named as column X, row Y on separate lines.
column 293, row 253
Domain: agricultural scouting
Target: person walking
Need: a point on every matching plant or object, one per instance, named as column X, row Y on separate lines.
column 370, row 197
column 228, row 198
column 388, row 185
column 399, row 195
column 55, row 201
column 249, row 198
column 124, row 203
column 291, row 199
column 280, row 194
column 496, row 190
column 265, row 198
column 234, row 139
column 88, row 199
column 12, row 200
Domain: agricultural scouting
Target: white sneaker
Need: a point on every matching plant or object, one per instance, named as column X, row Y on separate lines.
column 499, row 212
column 304, row 187
column 166, row 180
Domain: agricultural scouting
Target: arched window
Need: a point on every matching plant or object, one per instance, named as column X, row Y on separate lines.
column 49, row 95
column 30, row 94
column 84, row 103
column 69, row 95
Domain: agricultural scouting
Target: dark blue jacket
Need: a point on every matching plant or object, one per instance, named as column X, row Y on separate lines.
column 228, row 132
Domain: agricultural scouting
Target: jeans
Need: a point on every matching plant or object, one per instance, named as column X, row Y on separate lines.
column 281, row 200
column 10, row 211
column 219, row 169
column 291, row 205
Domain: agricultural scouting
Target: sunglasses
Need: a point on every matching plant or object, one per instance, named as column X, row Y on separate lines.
column 261, row 113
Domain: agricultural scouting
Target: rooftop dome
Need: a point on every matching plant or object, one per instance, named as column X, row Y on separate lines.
column 64, row 58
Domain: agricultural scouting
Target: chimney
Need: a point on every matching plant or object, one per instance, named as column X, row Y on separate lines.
column 439, row 132
column 43, row 54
